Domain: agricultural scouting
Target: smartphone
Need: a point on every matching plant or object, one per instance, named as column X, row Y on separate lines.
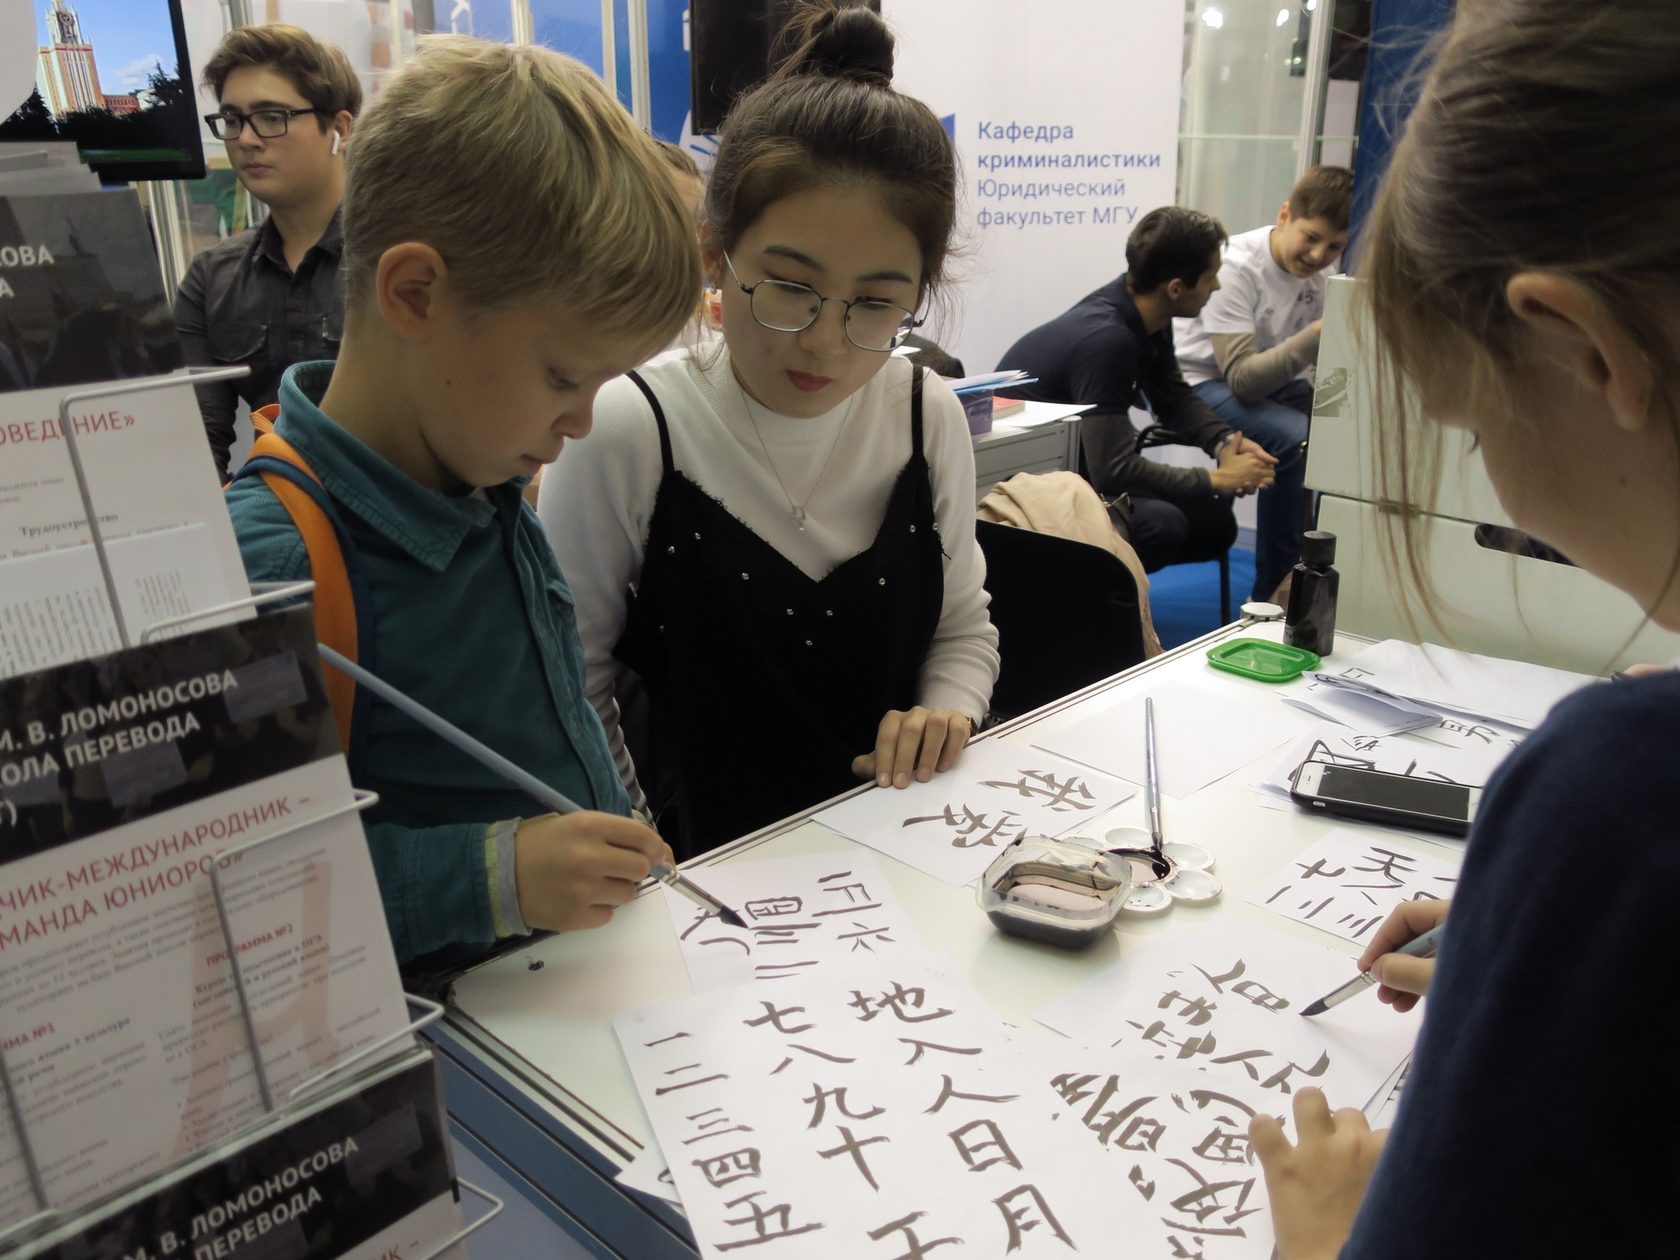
column 1396, row 799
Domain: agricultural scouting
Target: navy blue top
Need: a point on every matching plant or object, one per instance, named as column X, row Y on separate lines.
column 1099, row 352
column 1542, row 1117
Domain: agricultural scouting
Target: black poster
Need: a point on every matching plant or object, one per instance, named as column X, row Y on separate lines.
column 318, row 1188
column 81, row 292
column 91, row 745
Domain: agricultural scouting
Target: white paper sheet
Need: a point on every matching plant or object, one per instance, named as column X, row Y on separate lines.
column 1228, row 1001
column 1450, row 750
column 1340, row 700
column 1200, row 735
column 802, row 913
column 1464, row 682
column 1348, row 882
column 1386, row 1104
column 54, row 609
column 859, row 1113
column 952, row 826
column 1178, row 1153
column 986, row 380
column 148, row 469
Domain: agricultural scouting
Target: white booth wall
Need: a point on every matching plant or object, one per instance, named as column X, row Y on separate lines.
column 1243, row 89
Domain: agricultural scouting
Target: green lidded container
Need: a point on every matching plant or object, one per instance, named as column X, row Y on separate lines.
column 1262, row 659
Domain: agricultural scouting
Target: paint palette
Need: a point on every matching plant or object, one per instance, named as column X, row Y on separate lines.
column 1179, row 872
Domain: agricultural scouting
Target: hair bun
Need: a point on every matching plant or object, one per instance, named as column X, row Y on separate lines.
column 847, row 41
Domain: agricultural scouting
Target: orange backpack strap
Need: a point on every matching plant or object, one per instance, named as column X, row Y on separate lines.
column 262, row 421
column 342, row 608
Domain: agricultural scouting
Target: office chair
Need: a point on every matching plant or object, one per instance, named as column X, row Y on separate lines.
column 1156, row 435
column 1066, row 615
column 933, row 357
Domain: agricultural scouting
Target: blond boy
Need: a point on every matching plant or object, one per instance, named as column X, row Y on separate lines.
column 511, row 243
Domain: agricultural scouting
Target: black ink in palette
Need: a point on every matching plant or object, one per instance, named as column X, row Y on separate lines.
column 1174, row 872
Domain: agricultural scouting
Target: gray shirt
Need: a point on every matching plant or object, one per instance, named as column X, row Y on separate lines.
column 241, row 304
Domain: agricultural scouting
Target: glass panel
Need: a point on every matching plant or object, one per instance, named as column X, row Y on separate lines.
column 1240, row 180
column 1244, row 65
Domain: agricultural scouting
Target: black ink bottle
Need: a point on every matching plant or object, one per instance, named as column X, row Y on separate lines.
column 1311, row 621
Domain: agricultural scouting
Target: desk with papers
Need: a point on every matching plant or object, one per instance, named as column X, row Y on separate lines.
column 1041, row 437
column 539, row 1085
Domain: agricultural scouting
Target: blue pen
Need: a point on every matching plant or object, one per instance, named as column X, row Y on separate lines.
column 516, row 775
column 1418, row 947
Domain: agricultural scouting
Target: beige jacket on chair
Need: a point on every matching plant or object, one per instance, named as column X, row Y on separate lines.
column 1064, row 504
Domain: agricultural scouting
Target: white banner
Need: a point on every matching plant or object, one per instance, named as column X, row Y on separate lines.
column 1065, row 117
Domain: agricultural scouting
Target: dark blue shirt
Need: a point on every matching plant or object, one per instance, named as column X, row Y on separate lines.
column 1099, row 352
column 1541, row 1116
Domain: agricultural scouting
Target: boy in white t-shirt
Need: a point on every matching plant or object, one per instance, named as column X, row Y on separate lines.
column 1250, row 354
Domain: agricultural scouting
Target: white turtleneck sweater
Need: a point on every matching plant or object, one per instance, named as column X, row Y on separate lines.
column 596, row 503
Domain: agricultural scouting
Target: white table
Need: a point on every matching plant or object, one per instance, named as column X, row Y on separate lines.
column 539, row 1043
column 1042, row 437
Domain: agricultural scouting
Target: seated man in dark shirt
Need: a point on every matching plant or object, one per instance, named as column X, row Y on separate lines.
column 1115, row 345
column 271, row 298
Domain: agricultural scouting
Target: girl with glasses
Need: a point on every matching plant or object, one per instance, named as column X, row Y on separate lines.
column 776, row 535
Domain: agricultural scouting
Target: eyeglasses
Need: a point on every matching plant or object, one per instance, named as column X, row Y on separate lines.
column 782, row 306
column 269, row 124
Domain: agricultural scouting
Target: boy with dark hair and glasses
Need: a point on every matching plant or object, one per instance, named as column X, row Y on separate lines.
column 271, row 298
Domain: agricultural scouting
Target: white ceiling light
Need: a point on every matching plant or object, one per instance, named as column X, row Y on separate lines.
column 1213, row 18
column 1283, row 17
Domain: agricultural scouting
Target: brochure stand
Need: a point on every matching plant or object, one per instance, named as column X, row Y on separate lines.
column 312, row 1088
column 72, row 444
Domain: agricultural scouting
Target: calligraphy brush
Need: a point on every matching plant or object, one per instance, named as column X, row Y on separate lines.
column 1152, row 774
column 1417, row 947
column 520, row 778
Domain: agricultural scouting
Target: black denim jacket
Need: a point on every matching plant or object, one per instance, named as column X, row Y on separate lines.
column 240, row 303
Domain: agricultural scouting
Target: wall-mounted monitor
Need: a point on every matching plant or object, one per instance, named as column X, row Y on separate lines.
column 113, row 77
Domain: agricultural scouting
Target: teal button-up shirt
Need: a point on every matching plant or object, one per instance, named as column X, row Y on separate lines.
column 472, row 618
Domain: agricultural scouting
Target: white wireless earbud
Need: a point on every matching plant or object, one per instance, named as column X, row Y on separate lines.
column 338, row 141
